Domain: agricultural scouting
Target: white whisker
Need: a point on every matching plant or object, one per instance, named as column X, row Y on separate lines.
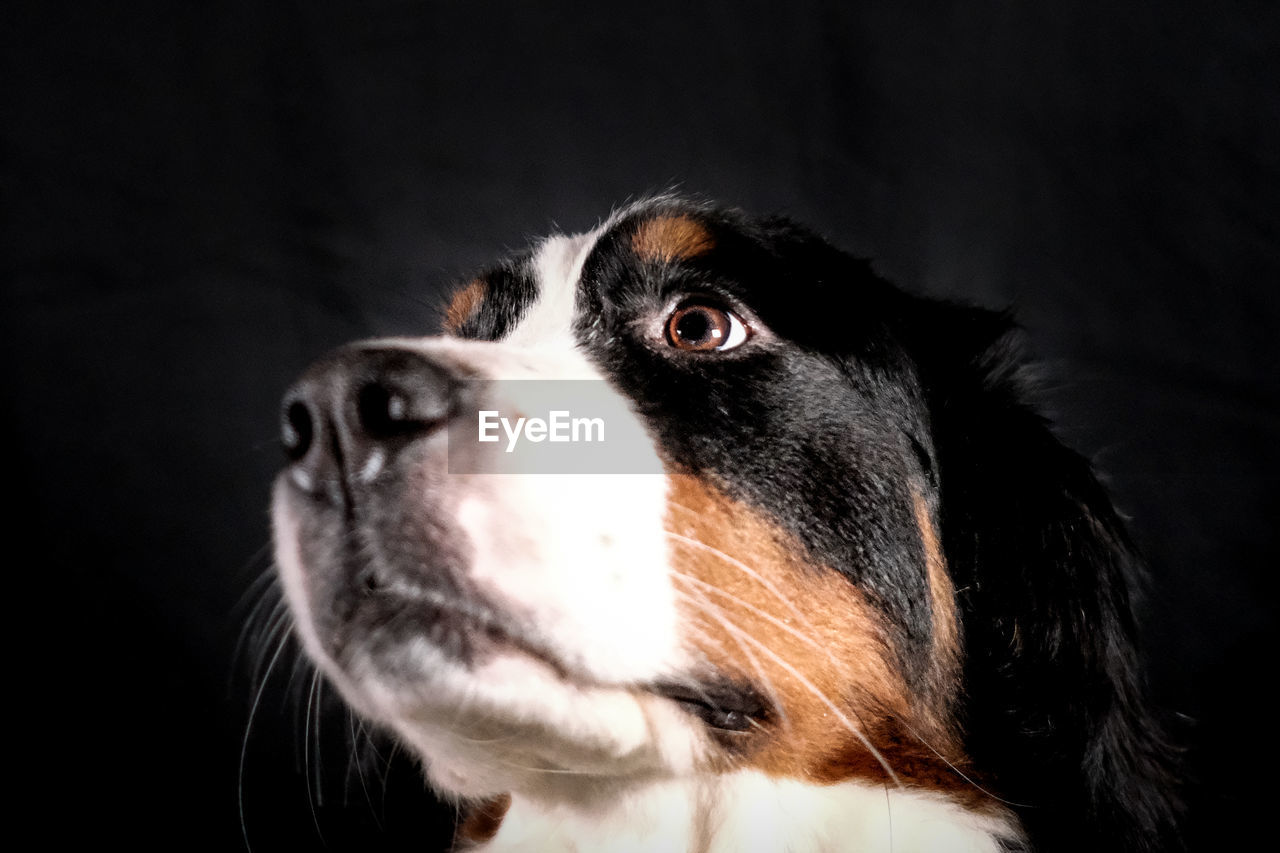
column 355, row 733
column 822, row 697
column 766, row 683
column 745, row 569
column 315, row 796
column 756, row 610
column 244, row 745
column 957, row 770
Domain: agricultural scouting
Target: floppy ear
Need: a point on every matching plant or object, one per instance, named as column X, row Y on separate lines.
column 1053, row 707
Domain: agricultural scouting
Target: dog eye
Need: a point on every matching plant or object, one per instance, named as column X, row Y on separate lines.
column 697, row 327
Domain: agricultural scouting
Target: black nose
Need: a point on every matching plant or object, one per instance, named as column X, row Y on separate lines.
column 354, row 410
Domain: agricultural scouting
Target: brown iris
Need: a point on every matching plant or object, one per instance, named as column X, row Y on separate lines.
column 703, row 328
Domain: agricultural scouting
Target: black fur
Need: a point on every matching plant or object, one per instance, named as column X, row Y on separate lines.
column 866, row 392
column 1054, row 707
column 510, row 288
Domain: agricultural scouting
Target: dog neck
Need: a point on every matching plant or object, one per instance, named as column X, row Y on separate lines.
column 749, row 811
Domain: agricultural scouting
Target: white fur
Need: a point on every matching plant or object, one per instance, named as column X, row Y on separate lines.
column 558, row 264
column 748, row 812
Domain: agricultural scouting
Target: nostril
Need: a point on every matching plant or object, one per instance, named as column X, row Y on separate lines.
column 367, row 581
column 349, row 415
column 297, row 430
column 384, row 413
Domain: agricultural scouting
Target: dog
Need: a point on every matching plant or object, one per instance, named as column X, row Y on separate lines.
column 842, row 588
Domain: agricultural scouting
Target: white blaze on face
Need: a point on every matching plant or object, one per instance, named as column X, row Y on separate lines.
column 584, row 555
column 558, row 268
column 578, row 563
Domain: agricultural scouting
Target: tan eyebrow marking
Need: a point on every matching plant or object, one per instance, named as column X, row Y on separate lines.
column 671, row 238
column 464, row 305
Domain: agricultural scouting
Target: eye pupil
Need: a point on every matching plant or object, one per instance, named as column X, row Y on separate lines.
column 695, row 328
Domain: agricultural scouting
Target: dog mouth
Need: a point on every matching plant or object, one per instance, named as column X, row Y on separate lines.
column 395, row 614
column 464, row 628
column 722, row 705
column 458, row 628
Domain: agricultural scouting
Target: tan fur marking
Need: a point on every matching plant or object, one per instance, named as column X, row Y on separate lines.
column 924, row 747
column 760, row 612
column 778, row 622
column 464, row 305
column 671, row 238
column 481, row 821
column 942, row 595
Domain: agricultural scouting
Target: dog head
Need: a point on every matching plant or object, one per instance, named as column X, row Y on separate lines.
column 834, row 545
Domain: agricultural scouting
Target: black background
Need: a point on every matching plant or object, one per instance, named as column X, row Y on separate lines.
column 198, row 201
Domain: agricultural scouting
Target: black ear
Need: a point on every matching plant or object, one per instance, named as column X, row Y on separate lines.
column 1053, row 709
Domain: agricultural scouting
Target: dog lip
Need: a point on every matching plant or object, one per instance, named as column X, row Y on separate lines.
column 721, row 704
column 454, row 621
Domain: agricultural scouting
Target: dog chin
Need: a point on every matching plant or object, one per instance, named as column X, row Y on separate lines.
column 513, row 715
column 513, row 723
